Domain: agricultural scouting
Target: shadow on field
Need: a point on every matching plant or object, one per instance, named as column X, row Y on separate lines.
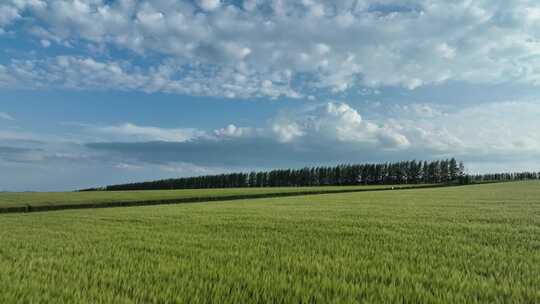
column 41, row 208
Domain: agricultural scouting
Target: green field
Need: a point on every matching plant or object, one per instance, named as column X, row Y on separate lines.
column 18, row 199
column 465, row 244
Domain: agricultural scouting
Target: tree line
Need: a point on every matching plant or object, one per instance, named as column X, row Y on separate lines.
column 500, row 177
column 390, row 173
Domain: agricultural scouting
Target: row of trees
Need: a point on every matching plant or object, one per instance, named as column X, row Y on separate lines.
column 500, row 177
column 404, row 172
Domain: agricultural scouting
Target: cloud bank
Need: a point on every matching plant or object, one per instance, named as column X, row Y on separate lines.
column 336, row 132
column 496, row 135
column 273, row 48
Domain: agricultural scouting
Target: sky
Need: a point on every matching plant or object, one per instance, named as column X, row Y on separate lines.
column 98, row 92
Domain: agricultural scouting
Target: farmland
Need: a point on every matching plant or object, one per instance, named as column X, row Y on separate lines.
column 97, row 198
column 476, row 243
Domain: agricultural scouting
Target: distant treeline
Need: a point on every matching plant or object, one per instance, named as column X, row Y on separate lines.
column 403, row 172
column 494, row 177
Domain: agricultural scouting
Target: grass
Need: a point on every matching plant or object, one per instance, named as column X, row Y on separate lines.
column 40, row 199
column 473, row 244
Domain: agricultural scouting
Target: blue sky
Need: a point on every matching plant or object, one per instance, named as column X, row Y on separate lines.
column 94, row 92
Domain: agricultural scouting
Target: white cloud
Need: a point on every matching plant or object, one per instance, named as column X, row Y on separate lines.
column 317, row 44
column 339, row 122
column 446, row 51
column 500, row 128
column 187, row 169
column 287, row 131
column 209, row 5
column 87, row 73
column 6, row 116
column 504, row 129
column 11, row 10
column 45, row 43
column 124, row 166
column 418, row 110
column 233, row 131
column 17, row 135
column 132, row 132
column 492, row 130
column 484, row 130
column 8, row 14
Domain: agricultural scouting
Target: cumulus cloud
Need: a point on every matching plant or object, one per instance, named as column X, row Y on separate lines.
column 8, row 14
column 287, row 131
column 12, row 10
column 278, row 48
column 209, row 5
column 338, row 122
column 336, row 132
column 327, row 133
column 232, row 131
